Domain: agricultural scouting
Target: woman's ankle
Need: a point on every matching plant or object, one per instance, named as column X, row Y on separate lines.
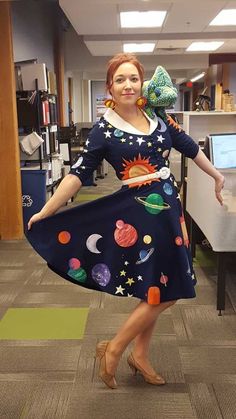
column 139, row 354
column 115, row 348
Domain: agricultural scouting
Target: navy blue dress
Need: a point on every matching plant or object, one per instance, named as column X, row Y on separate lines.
column 132, row 243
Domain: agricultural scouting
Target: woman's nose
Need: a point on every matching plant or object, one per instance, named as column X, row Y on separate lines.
column 127, row 84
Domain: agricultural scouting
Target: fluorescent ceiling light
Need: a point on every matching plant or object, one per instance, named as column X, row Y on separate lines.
column 145, row 47
column 199, row 76
column 225, row 18
column 151, row 19
column 204, row 46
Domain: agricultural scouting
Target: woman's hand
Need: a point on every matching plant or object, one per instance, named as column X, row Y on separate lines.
column 36, row 217
column 219, row 184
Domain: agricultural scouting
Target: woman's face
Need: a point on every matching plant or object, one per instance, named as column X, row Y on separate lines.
column 126, row 85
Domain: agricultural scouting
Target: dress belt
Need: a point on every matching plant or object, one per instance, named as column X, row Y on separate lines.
column 163, row 173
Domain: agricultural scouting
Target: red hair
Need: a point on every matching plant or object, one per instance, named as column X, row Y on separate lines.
column 119, row 59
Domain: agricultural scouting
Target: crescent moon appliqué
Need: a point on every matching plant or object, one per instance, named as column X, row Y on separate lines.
column 77, row 163
column 161, row 125
column 91, row 243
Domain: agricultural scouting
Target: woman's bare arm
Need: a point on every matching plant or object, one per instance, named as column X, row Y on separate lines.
column 68, row 187
column 203, row 163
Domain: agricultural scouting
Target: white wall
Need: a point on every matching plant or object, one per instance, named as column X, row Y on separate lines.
column 78, row 99
column 32, row 24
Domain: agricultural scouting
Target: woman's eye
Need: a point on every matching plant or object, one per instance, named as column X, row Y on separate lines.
column 119, row 80
column 135, row 79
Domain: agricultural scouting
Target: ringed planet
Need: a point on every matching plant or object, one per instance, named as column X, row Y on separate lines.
column 144, row 255
column 78, row 274
column 153, row 203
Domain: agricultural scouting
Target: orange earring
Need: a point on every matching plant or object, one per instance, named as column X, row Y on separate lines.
column 141, row 102
column 110, row 103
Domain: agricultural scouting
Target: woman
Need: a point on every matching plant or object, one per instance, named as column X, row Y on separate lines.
column 134, row 242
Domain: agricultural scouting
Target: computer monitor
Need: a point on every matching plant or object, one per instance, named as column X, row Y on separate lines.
column 223, row 150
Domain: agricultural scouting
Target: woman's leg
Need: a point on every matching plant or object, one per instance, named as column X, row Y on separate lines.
column 142, row 344
column 141, row 320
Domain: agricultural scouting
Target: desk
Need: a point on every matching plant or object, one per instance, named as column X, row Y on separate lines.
column 218, row 223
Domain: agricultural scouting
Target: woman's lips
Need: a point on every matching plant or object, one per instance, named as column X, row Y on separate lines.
column 128, row 94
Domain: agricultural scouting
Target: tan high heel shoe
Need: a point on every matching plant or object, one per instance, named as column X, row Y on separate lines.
column 149, row 378
column 108, row 379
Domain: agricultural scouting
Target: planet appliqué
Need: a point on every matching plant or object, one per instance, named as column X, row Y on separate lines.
column 178, row 241
column 101, row 274
column 64, row 237
column 74, row 263
column 144, row 255
column 167, row 188
column 118, row 133
column 153, row 203
column 164, row 279
column 147, row 239
column 165, row 153
column 125, row 235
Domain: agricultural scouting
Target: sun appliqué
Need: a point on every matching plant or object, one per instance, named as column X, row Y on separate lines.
column 138, row 167
column 174, row 124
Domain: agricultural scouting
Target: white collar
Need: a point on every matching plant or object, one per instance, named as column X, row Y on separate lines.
column 114, row 119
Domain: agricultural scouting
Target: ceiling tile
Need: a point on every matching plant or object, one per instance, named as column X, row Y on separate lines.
column 104, row 48
column 190, row 16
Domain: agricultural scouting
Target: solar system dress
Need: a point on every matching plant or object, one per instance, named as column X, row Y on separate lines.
column 134, row 242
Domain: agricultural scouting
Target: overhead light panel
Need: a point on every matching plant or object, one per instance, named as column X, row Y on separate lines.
column 205, row 46
column 198, row 77
column 225, row 18
column 141, row 47
column 150, row 19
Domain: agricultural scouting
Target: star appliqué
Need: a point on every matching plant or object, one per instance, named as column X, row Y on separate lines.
column 160, row 138
column 122, row 273
column 140, row 278
column 130, row 281
column 101, row 125
column 107, row 134
column 119, row 290
column 140, row 140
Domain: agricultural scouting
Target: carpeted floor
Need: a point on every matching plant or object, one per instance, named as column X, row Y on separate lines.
column 49, row 372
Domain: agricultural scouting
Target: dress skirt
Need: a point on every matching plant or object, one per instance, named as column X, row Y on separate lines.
column 132, row 243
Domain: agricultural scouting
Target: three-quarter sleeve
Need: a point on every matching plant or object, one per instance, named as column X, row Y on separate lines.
column 181, row 141
column 92, row 155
